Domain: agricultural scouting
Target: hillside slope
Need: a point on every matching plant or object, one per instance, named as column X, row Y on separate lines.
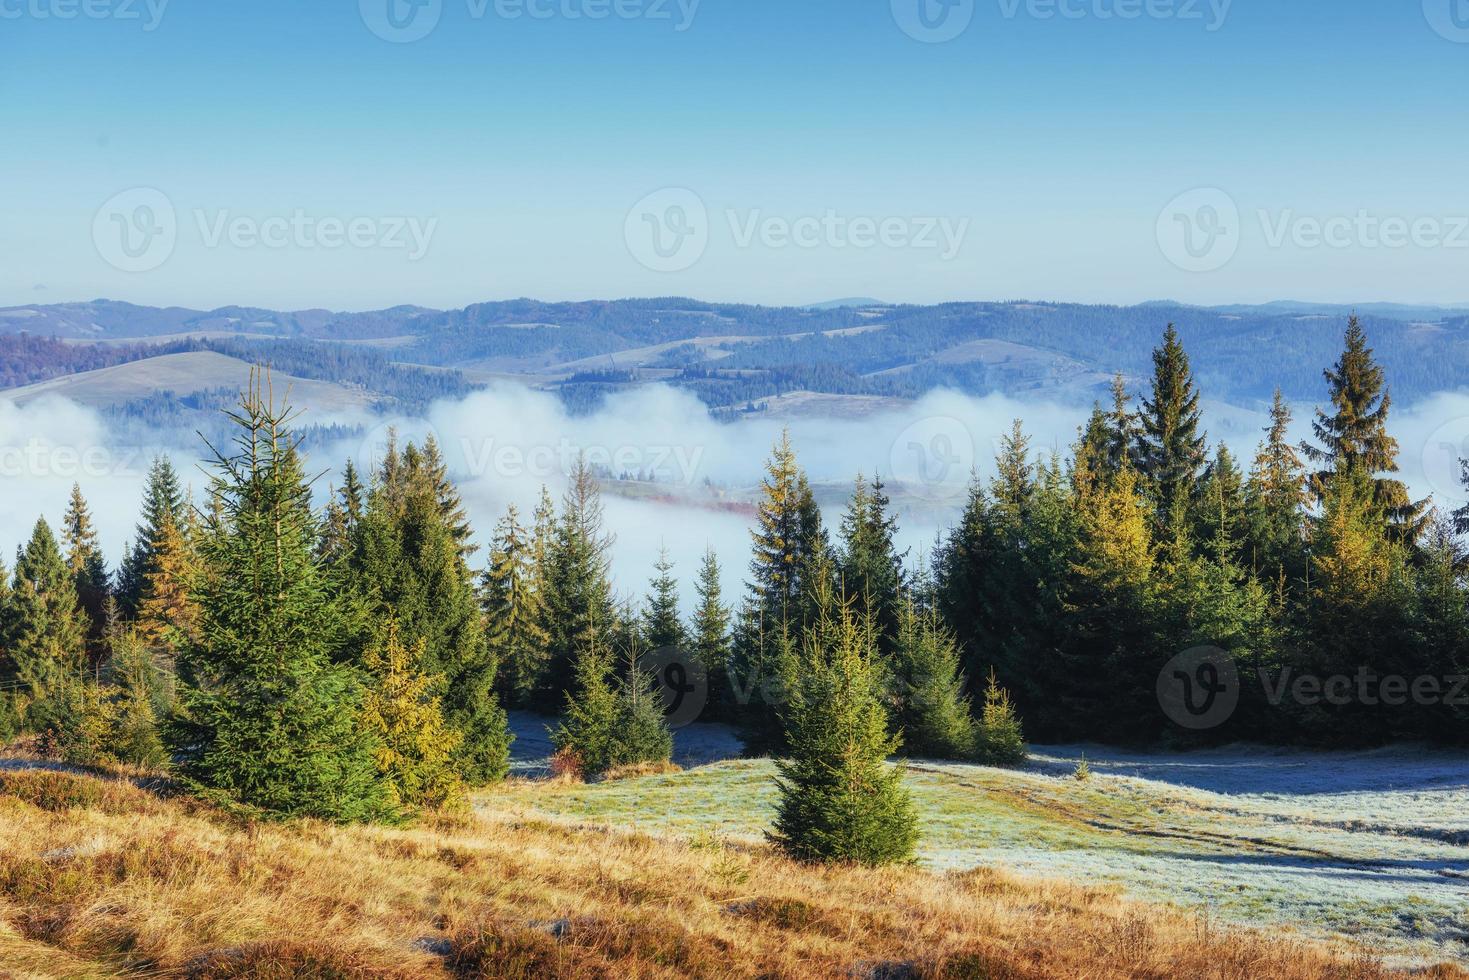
column 101, row 878
column 185, row 374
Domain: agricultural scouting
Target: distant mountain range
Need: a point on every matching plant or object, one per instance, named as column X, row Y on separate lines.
column 838, row 357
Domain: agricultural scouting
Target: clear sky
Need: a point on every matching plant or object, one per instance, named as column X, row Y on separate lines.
column 299, row 153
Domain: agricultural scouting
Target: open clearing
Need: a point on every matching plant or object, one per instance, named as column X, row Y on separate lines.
column 1368, row 845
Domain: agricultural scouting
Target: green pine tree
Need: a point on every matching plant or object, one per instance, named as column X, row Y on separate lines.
column 1170, row 445
column 409, row 565
column 840, row 800
column 579, row 604
column 46, row 636
column 266, row 718
column 712, row 640
column 662, row 626
column 88, row 568
column 515, row 611
column 932, row 715
column 1353, row 435
column 163, row 500
column 1000, row 740
column 870, row 566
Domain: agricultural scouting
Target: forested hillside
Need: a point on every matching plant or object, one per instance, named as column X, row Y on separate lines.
column 734, row 356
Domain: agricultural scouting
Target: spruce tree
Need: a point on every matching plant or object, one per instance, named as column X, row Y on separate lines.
column 142, row 700
column 167, row 613
column 1000, row 739
column 712, row 641
column 932, row 714
column 1170, row 445
column 515, row 612
column 1220, row 521
column 163, row 499
column 267, row 719
column 409, row 565
column 789, row 546
column 1353, row 435
column 840, row 800
column 415, row 746
column 1124, row 432
column 1276, row 501
column 88, row 567
column 579, row 604
column 46, row 635
column 662, row 626
column 870, row 567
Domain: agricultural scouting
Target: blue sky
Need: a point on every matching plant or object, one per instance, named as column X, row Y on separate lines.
column 285, row 155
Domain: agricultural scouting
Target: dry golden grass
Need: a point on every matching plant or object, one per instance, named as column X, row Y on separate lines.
column 99, row 877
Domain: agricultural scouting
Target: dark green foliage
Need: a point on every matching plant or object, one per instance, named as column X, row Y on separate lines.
column 931, row 713
column 1170, row 445
column 45, row 636
column 515, row 611
column 661, row 624
column 408, row 564
column 163, row 501
column 711, row 640
column 266, row 718
column 579, row 603
column 1353, row 435
column 610, row 722
column 88, row 567
column 869, row 566
column 840, row 799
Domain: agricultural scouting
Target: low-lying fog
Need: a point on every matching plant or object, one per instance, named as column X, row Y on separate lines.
column 503, row 444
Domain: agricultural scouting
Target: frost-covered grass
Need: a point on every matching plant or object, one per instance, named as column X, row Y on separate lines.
column 1368, row 845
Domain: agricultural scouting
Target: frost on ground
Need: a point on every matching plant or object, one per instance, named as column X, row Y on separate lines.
column 1371, row 845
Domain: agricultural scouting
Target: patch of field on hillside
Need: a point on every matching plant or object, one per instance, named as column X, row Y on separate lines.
column 184, row 374
column 1361, row 845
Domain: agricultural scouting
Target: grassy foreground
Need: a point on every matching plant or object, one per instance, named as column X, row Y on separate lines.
column 99, row 878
